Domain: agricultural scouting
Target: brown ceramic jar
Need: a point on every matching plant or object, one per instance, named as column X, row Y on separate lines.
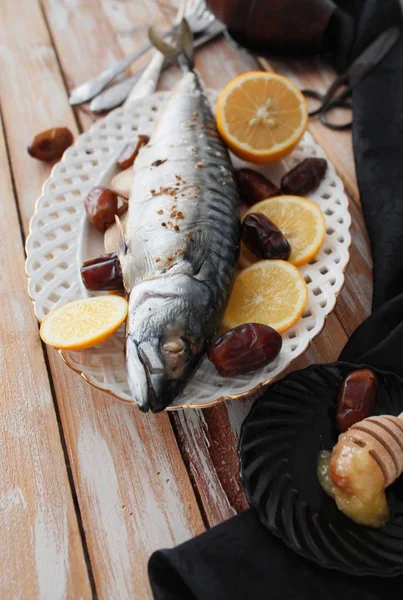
column 282, row 27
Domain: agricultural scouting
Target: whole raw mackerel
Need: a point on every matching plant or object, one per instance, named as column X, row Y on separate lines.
column 182, row 240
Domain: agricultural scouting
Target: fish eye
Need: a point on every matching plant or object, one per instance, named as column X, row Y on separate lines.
column 174, row 346
column 175, row 354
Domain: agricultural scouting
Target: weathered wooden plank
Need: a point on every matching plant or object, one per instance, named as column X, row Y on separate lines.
column 96, row 36
column 29, row 70
column 133, row 490
column 354, row 302
column 130, row 22
column 135, row 18
column 41, row 554
column 84, row 42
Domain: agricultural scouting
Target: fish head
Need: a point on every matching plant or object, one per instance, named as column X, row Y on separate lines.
column 166, row 339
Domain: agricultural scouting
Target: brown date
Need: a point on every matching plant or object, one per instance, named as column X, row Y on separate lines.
column 264, row 238
column 50, row 144
column 102, row 273
column 305, row 177
column 101, row 206
column 254, row 187
column 357, row 398
column 245, row 348
column 129, row 153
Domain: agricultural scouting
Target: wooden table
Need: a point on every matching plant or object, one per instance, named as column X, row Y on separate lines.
column 90, row 487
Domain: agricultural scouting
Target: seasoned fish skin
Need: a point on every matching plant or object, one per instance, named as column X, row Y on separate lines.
column 182, row 242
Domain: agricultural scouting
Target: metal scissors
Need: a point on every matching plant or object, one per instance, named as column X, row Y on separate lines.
column 339, row 93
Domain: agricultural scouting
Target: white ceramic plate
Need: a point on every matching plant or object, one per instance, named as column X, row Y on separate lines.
column 61, row 238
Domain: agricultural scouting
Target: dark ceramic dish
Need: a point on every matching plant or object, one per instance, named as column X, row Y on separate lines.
column 279, row 446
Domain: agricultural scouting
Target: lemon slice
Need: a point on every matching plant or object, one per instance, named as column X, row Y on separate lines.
column 83, row 323
column 299, row 219
column 272, row 292
column 261, row 116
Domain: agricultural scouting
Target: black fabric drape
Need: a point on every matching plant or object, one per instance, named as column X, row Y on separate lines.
column 240, row 559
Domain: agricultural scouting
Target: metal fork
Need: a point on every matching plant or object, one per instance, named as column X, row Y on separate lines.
column 198, row 18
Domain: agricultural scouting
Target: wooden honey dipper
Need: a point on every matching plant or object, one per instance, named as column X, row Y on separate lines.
column 383, row 437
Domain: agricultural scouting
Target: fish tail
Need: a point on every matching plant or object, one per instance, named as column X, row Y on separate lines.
column 181, row 51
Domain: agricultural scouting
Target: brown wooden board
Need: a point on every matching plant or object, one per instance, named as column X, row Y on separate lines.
column 134, row 493
column 41, row 552
column 142, row 482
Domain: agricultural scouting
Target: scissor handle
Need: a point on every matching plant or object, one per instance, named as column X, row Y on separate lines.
column 340, row 103
column 332, row 99
column 316, row 96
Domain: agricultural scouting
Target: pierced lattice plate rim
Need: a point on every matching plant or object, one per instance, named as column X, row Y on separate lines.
column 60, row 239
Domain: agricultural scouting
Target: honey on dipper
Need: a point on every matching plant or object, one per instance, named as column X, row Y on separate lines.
column 367, row 458
column 352, row 477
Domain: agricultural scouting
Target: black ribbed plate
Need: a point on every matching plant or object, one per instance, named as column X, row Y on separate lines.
column 279, row 446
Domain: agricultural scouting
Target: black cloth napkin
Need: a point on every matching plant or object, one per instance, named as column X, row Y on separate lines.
column 240, row 559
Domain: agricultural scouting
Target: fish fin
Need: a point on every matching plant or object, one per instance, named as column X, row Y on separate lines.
column 185, row 41
column 137, row 375
column 122, row 246
column 182, row 51
column 197, row 245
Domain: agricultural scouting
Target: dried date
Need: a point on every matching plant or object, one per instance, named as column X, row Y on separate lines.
column 357, row 398
column 254, row 187
column 50, row 145
column 305, row 177
column 101, row 206
column 264, row 238
column 102, row 273
column 244, row 349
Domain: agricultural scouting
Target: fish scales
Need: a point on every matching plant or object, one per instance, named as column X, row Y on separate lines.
column 182, row 240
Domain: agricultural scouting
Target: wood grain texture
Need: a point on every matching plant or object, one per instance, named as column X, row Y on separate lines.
column 29, row 70
column 198, row 459
column 209, row 439
column 96, row 36
column 133, row 489
column 41, row 554
column 84, row 42
column 133, row 480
